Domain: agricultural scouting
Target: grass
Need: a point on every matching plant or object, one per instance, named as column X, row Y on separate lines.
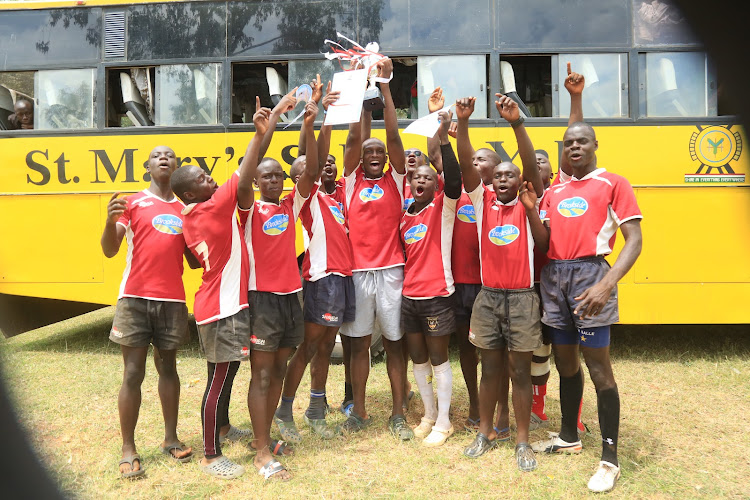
column 684, row 390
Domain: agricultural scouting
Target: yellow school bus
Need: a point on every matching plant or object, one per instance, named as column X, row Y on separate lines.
column 110, row 80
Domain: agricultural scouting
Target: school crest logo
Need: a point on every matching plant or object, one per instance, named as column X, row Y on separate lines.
column 337, row 214
column 504, row 235
column 415, row 234
column 432, row 323
column 276, row 224
column 167, row 224
column 407, row 203
column 573, row 207
column 371, row 194
column 715, row 148
column 467, row 214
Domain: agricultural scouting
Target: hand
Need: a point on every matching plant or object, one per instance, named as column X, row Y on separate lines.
column 355, row 64
column 115, row 208
column 436, row 100
column 453, row 129
column 508, row 108
column 317, row 89
column 385, row 67
column 574, row 82
column 261, row 118
column 528, row 196
column 331, row 97
column 311, row 111
column 465, row 107
column 287, row 103
column 592, row 300
column 445, row 118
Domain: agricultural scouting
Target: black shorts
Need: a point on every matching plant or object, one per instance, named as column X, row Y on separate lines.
column 464, row 297
column 329, row 301
column 433, row 317
column 226, row 339
column 506, row 318
column 139, row 322
column 275, row 321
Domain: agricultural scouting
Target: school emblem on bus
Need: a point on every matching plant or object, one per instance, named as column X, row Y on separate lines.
column 715, row 148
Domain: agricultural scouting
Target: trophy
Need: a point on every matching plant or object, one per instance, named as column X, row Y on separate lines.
column 373, row 98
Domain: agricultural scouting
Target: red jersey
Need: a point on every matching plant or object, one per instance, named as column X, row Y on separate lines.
column 506, row 246
column 465, row 254
column 153, row 230
column 540, row 258
column 270, row 235
column 584, row 214
column 329, row 251
column 409, row 199
column 427, row 237
column 213, row 235
column 374, row 214
column 560, row 178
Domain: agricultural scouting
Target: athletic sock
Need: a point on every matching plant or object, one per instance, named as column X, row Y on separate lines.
column 348, row 392
column 284, row 411
column 581, row 427
column 317, row 408
column 538, row 397
column 608, row 403
column 444, row 378
column 571, row 390
column 423, row 375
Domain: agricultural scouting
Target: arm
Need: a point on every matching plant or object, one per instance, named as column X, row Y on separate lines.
column 448, row 158
column 464, row 109
column 310, row 174
column 539, row 231
column 317, row 94
column 434, row 103
column 113, row 232
column 593, row 299
column 324, row 136
column 574, row 83
column 366, row 124
column 193, row 263
column 249, row 165
column 287, row 103
column 508, row 109
column 353, row 148
column 393, row 142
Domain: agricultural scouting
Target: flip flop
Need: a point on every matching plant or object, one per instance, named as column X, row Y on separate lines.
column 223, row 468
column 272, row 467
column 471, row 425
column 320, row 426
column 502, row 434
column 277, row 447
column 288, row 430
column 167, row 450
column 133, row 473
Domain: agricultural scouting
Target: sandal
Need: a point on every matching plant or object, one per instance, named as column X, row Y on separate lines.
column 321, row 428
column 223, row 468
column 479, row 446
column 437, row 437
column 272, row 467
column 288, row 430
column 235, row 435
column 133, row 472
column 277, row 447
column 471, row 425
column 424, row 428
column 167, row 450
column 502, row 434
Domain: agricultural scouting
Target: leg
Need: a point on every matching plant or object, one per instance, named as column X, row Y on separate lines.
column 129, row 399
column 360, row 371
column 346, row 346
column 278, row 371
column 519, row 367
column 469, row 362
column 608, row 399
column 540, row 368
column 568, row 366
column 319, row 373
column 215, row 398
column 394, row 351
column 492, row 367
column 417, row 348
column 437, row 347
column 502, row 420
column 169, row 394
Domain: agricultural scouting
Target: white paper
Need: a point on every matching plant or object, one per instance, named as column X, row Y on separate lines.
column 427, row 125
column 348, row 108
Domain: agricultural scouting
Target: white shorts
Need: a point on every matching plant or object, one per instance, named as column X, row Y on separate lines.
column 378, row 297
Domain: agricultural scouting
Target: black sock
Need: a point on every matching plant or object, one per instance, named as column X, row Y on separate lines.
column 348, row 393
column 317, row 409
column 608, row 403
column 571, row 391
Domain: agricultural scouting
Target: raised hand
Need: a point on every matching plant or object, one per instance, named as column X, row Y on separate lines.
column 317, row 89
column 507, row 107
column 115, row 208
column 385, row 67
column 452, row 129
column 436, row 100
column 574, row 82
column 261, row 117
column 445, row 118
column 287, row 103
column 331, row 97
column 311, row 111
column 528, row 196
column 465, row 107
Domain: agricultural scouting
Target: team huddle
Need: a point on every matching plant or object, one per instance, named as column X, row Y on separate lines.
column 416, row 246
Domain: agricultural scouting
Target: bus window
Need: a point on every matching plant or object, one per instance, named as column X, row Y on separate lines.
column 528, row 81
column 675, row 84
column 305, row 71
column 65, row 99
column 130, row 97
column 187, row 94
column 266, row 80
column 14, row 88
column 459, row 76
column 658, row 22
column 606, row 90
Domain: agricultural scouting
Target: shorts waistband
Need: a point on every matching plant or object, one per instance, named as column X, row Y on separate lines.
column 509, row 290
column 595, row 258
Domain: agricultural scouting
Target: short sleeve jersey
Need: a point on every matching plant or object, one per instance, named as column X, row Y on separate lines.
column 427, row 237
column 506, row 247
column 212, row 233
column 374, row 213
column 409, row 199
column 465, row 253
column 153, row 231
column 270, row 235
column 584, row 214
column 329, row 251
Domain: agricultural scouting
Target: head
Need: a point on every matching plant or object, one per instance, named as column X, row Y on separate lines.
column 506, row 181
column 192, row 184
column 373, row 157
column 485, row 160
column 545, row 168
column 423, row 183
column 270, row 179
column 162, row 162
column 298, row 166
column 25, row 113
column 414, row 158
column 579, row 147
column 330, row 171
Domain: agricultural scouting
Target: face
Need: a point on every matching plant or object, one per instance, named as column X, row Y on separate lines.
column 506, row 181
column 203, row 186
column 545, row 169
column 373, row 157
column 298, row 166
column 25, row 114
column 423, row 183
column 270, row 180
column 414, row 158
column 579, row 147
column 161, row 163
column 330, row 171
column 485, row 160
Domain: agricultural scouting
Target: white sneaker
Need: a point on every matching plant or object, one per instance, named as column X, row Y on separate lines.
column 556, row 445
column 604, row 478
column 536, row 422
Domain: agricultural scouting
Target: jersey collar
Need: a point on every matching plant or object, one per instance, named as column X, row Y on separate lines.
column 591, row 174
column 509, row 204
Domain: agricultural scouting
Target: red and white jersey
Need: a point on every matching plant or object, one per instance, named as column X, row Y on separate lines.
column 584, row 214
column 374, row 215
column 213, row 235
column 427, row 237
column 506, row 246
column 465, row 253
column 270, row 235
column 560, row 178
column 409, row 199
column 540, row 258
column 329, row 251
column 153, row 230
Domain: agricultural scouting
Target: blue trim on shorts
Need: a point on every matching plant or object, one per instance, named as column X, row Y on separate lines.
column 597, row 336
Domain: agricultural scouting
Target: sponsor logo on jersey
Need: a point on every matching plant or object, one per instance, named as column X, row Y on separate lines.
column 255, row 340
column 245, row 351
column 504, row 235
column 542, row 214
column 336, row 211
column 467, row 214
column 276, row 224
column 144, row 204
column 330, row 317
column 116, row 333
column 572, row 207
column 167, row 224
column 407, row 203
column 415, row 234
column 371, row 194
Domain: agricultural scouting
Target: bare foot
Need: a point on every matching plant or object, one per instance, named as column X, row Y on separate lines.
column 177, row 453
column 263, row 459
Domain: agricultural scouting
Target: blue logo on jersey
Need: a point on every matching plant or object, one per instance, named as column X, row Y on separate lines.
column 167, row 223
column 573, row 207
column 504, row 235
column 337, row 214
column 276, row 224
column 371, row 194
column 415, row 234
column 407, row 203
column 542, row 214
column 467, row 214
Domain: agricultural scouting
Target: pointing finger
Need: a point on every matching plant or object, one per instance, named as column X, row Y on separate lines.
column 569, row 68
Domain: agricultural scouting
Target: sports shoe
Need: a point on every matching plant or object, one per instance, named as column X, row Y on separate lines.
column 537, row 422
column 346, row 407
column 604, row 478
column 525, row 458
column 399, row 428
column 556, row 445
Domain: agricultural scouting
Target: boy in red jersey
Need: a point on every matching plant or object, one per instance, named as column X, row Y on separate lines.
column 579, row 290
column 150, row 305
column 506, row 313
column 221, row 310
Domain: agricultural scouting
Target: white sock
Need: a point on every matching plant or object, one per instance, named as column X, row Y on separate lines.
column 423, row 374
column 444, row 378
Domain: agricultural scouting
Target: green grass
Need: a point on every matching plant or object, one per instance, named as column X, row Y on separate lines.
column 685, row 395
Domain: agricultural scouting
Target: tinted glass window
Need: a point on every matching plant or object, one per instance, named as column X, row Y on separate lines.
column 459, row 76
column 36, row 38
column 676, row 84
column 65, row 99
column 572, row 23
column 305, row 71
column 187, row 94
column 176, row 30
column 656, row 22
column 605, row 91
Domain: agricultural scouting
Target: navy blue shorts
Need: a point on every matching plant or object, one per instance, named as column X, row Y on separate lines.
column 464, row 297
column 597, row 336
column 329, row 301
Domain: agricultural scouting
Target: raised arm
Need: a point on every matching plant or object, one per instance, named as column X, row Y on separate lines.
column 317, row 94
column 393, row 142
column 310, row 174
column 324, row 136
column 434, row 103
column 539, row 231
column 464, row 109
column 574, row 83
column 448, row 158
column 113, row 232
column 287, row 103
column 508, row 109
column 249, row 165
column 353, row 148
